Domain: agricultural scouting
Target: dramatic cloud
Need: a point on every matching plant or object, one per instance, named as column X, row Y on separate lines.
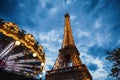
column 95, row 65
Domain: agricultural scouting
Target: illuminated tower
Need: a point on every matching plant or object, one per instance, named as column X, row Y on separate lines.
column 68, row 65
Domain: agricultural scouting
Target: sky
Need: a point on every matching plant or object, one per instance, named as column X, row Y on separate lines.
column 95, row 27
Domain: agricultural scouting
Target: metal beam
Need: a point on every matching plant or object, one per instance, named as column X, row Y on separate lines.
column 7, row 49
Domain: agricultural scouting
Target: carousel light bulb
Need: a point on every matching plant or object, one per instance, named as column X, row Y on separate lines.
column 34, row 55
column 17, row 43
column 42, row 64
column 27, row 74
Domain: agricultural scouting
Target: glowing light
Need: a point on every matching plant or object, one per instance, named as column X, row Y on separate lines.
column 27, row 74
column 34, row 55
column 17, row 43
column 42, row 64
column 43, row 71
column 40, row 75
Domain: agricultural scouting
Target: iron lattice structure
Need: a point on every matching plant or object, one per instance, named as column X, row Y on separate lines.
column 20, row 53
column 68, row 65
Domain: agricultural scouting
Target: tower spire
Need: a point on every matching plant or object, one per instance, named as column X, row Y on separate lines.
column 68, row 37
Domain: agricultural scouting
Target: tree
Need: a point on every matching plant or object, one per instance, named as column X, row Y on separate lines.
column 114, row 57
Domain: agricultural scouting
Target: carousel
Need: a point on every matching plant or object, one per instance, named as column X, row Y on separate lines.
column 20, row 53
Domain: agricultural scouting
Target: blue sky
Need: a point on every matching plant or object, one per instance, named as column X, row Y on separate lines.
column 95, row 26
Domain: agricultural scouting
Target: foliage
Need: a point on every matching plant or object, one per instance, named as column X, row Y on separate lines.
column 114, row 57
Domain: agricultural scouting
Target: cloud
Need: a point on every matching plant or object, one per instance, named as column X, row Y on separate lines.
column 50, row 48
column 97, row 24
column 43, row 3
column 51, row 36
column 53, row 11
column 82, row 33
column 49, row 63
column 69, row 1
column 98, row 73
column 72, row 17
column 95, row 36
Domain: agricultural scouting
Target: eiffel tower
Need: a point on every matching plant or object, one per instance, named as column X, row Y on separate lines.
column 68, row 65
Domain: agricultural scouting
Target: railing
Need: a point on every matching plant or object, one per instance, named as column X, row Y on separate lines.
column 68, row 69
